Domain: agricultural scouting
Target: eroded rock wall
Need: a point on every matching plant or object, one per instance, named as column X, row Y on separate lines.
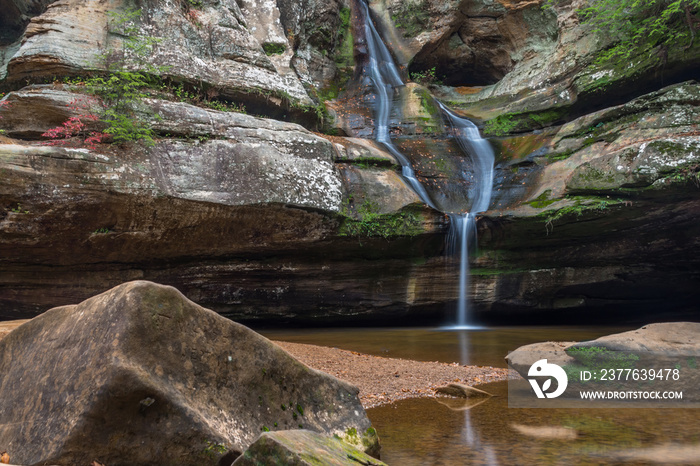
column 242, row 213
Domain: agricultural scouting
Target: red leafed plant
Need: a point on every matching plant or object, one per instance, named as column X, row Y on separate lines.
column 76, row 126
column 4, row 104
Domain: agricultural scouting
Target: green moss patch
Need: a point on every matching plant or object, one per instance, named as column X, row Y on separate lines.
column 509, row 123
column 369, row 222
column 272, row 48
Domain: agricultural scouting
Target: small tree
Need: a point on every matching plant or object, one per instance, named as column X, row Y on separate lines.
column 128, row 73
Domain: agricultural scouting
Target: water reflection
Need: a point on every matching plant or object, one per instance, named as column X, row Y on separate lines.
column 426, row 431
column 478, row 346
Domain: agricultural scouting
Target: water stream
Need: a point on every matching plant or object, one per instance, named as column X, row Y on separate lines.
column 385, row 78
column 444, row 431
column 463, row 231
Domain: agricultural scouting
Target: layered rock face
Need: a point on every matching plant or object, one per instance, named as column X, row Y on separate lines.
column 595, row 205
column 241, row 51
column 233, row 201
column 247, row 206
column 141, row 375
column 594, row 209
column 601, row 218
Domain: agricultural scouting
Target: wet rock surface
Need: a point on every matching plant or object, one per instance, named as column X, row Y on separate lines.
column 302, row 448
column 583, row 214
column 144, row 370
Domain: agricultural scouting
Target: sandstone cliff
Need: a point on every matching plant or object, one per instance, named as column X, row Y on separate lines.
column 595, row 205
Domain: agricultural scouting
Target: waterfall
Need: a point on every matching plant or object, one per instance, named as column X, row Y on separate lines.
column 463, row 230
column 385, row 78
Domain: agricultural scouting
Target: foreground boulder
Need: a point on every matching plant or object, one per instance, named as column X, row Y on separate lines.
column 139, row 375
column 302, row 448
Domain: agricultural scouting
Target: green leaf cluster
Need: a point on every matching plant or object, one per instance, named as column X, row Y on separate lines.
column 273, row 48
column 425, row 77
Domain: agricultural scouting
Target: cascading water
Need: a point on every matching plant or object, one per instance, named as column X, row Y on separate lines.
column 463, row 231
column 385, row 79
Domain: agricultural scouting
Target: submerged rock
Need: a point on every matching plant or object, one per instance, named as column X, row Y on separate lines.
column 546, row 432
column 143, row 370
column 462, row 391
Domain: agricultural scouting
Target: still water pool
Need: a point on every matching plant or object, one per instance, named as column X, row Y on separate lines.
column 425, row 431
column 429, row 431
column 482, row 347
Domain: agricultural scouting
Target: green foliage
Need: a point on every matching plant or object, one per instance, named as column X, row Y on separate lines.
column 370, row 162
column 372, row 223
column 412, row 17
column 557, row 156
column 595, row 359
column 508, row 123
column 122, row 89
column 19, row 210
column 639, row 25
column 271, row 48
column 213, row 450
column 542, row 200
column 425, row 77
column 581, row 205
column 344, row 15
column 344, row 49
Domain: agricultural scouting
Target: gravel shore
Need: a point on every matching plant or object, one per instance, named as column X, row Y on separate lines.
column 385, row 380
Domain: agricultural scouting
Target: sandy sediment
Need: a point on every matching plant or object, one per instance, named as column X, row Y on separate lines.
column 385, row 380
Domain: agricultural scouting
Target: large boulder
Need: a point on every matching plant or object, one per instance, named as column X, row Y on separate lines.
column 141, row 375
column 665, row 340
